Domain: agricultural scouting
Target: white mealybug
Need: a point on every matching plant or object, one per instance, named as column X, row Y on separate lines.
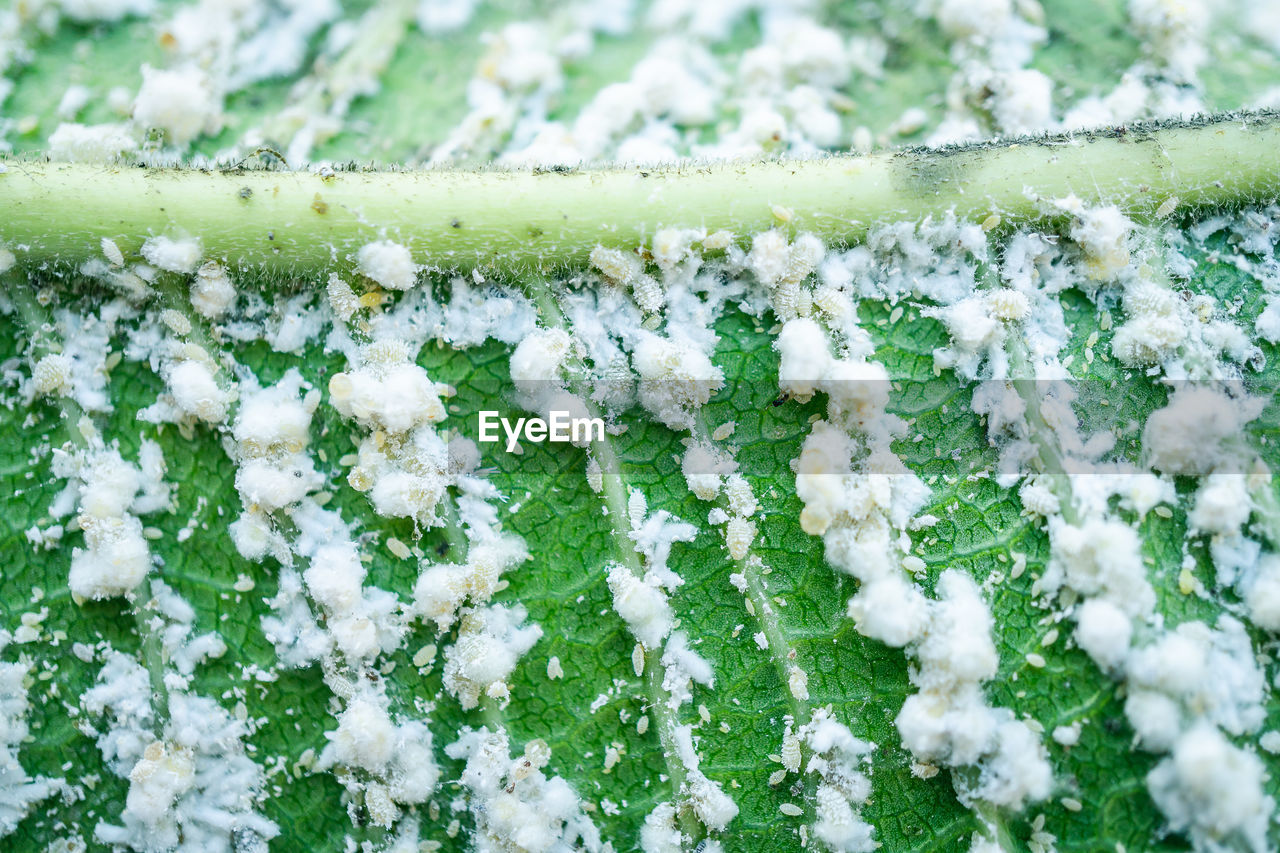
column 387, row 263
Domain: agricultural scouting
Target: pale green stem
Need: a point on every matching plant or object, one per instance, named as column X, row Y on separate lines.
column 781, row 652
column 293, row 223
column 615, row 502
column 780, row 649
column 33, row 318
column 1041, row 434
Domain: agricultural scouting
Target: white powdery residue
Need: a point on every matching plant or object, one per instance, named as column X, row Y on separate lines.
column 116, row 557
column 212, row 292
column 626, row 270
column 1189, row 339
column 397, row 759
column 537, row 369
column 192, row 789
column 704, row 467
column 237, row 44
column 605, row 321
column 991, row 43
column 407, row 471
column 862, row 515
column 477, row 313
column 387, row 390
column 949, row 720
column 654, row 534
column 682, row 667
column 1173, row 34
column 1104, row 631
column 978, row 326
column 539, row 356
column 490, row 641
column 1193, row 434
column 937, row 261
column 642, row 604
column 1099, row 557
column 1213, row 791
column 1021, row 102
column 1103, row 233
column 403, row 463
column 854, row 512
column 1164, row 83
column 181, row 255
column 387, row 263
column 843, row 786
column 79, row 370
column 515, row 804
column 18, row 790
column 272, row 433
column 195, row 390
column 708, row 800
column 1202, row 432
column 509, row 98
column 659, row 833
column 291, row 626
column 783, row 266
column 440, row 17
column 1183, row 685
column 183, row 102
column 74, row 99
column 94, row 143
column 677, row 83
column 183, row 650
column 442, row 589
column 278, row 40
column 709, row 470
column 1194, row 674
column 676, row 378
column 363, row 621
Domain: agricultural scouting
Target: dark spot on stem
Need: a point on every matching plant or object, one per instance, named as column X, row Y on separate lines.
column 246, row 193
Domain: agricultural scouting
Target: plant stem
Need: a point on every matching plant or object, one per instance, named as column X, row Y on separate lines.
column 293, row 223
column 615, row 499
column 84, row 435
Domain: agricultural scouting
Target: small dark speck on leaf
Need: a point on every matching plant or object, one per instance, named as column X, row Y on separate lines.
column 271, row 235
column 455, row 223
column 246, row 192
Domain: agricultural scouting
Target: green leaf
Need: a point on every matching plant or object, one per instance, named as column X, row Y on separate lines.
column 590, row 715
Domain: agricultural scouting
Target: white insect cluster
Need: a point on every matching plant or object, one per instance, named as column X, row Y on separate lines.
column 192, row 784
column 108, row 493
column 516, row 806
column 643, row 603
column 643, row 330
column 1188, row 684
column 19, row 791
